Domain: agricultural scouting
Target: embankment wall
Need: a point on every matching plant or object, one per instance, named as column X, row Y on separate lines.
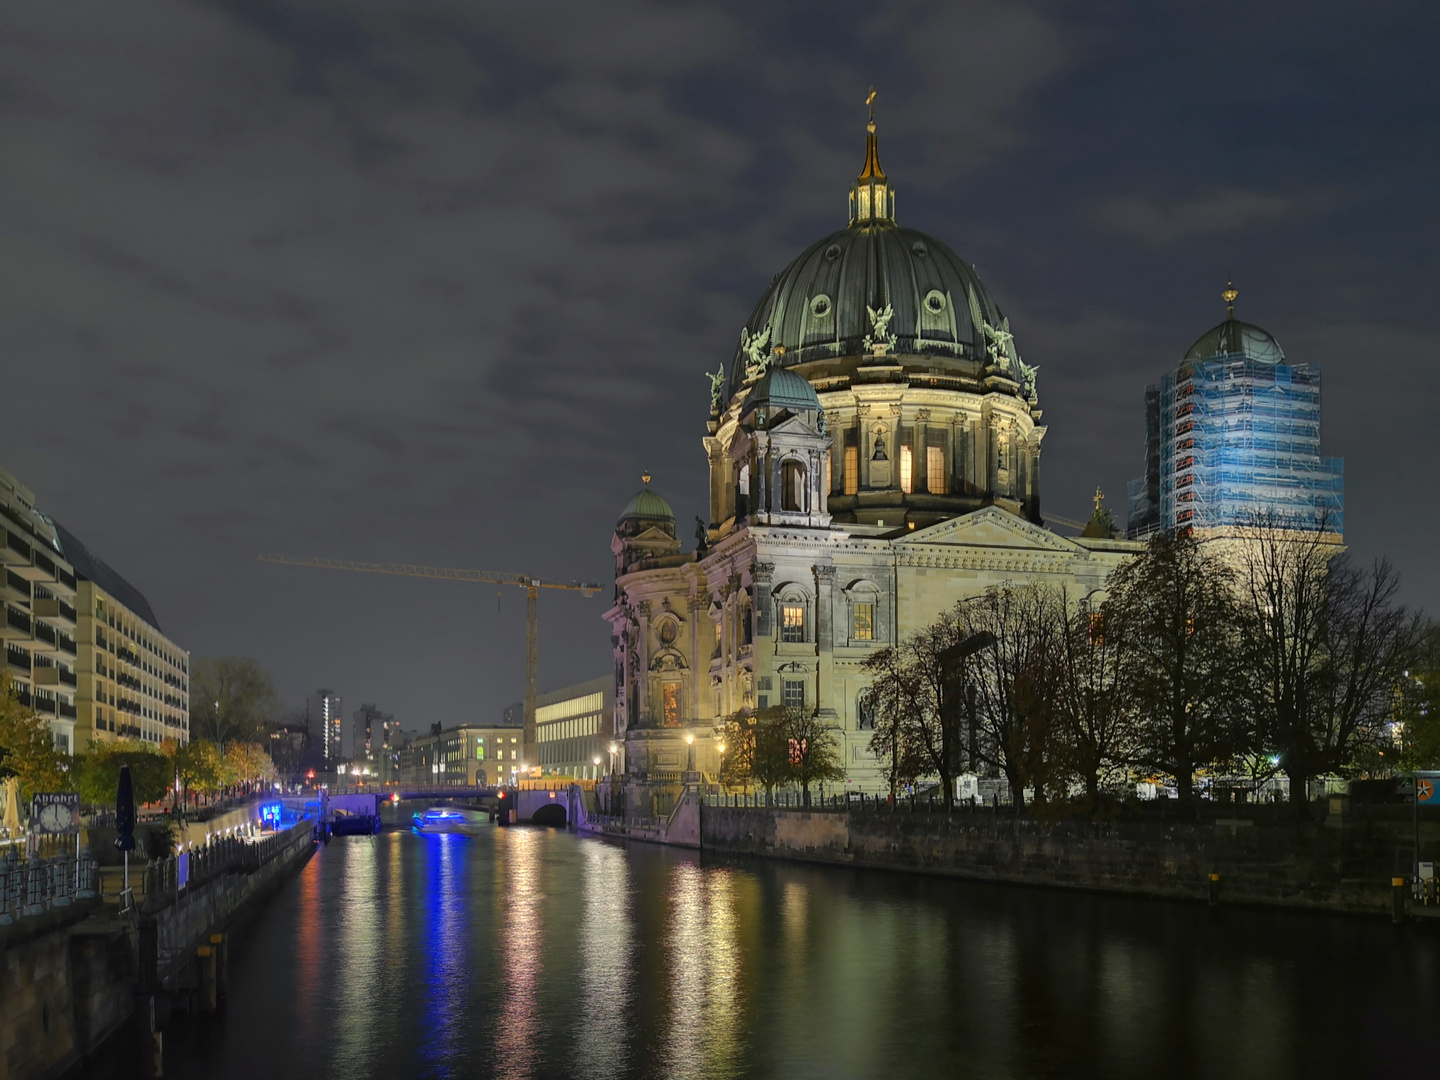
column 1299, row 864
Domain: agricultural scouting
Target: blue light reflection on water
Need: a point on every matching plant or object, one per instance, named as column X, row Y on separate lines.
column 532, row 953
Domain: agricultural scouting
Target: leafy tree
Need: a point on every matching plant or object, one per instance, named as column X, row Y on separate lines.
column 29, row 747
column 737, row 763
column 1324, row 645
column 199, row 765
column 890, row 697
column 1418, row 708
column 1175, row 602
column 98, row 774
column 811, row 749
column 1097, row 714
column 770, row 759
column 231, row 698
column 248, row 763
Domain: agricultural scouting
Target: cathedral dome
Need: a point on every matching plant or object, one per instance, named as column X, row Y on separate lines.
column 645, row 509
column 820, row 306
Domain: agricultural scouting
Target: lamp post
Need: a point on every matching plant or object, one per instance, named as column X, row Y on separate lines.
column 689, row 753
column 596, row 759
column 614, row 749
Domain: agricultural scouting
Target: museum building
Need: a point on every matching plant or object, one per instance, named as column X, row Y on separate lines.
column 874, row 457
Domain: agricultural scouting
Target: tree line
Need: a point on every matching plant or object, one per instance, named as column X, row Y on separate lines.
column 1262, row 654
column 232, row 701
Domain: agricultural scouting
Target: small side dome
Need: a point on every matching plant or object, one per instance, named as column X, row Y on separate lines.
column 780, row 388
column 644, row 510
column 1233, row 337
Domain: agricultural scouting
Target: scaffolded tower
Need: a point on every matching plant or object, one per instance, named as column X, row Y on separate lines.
column 1235, row 429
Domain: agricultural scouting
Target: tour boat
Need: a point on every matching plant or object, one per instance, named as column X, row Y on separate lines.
column 456, row 819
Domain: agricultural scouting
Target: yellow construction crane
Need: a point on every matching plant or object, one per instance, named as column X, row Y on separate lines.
column 531, row 585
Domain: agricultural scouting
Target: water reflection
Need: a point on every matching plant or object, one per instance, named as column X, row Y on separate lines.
column 605, row 958
column 533, row 953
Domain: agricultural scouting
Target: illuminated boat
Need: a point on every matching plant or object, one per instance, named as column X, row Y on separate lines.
column 441, row 819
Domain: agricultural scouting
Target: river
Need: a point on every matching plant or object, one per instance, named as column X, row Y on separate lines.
column 531, row 952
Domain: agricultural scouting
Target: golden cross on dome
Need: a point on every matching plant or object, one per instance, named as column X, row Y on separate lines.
column 645, row 476
column 1229, row 296
column 1099, row 498
column 870, row 101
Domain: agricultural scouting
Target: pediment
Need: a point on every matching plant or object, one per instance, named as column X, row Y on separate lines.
column 990, row 528
column 794, row 425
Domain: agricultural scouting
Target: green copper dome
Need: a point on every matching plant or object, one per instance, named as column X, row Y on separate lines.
column 1233, row 337
column 781, row 389
column 646, row 508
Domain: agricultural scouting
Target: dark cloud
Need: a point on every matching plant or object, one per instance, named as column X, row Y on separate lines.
column 433, row 282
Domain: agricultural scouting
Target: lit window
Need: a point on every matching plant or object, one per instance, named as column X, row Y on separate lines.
column 793, row 693
column 907, row 480
column 864, row 194
column 864, row 622
column 670, row 703
column 852, row 470
column 792, row 622
column 935, row 470
column 879, row 200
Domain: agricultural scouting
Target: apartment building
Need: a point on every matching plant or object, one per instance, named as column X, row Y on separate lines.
column 464, row 756
column 133, row 681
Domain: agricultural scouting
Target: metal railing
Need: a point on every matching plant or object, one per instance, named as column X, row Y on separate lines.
column 31, row 886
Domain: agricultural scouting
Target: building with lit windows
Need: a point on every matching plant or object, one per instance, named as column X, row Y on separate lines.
column 82, row 645
column 325, row 718
column 38, row 626
column 133, row 681
column 466, row 756
column 874, row 456
column 1235, row 430
column 575, row 726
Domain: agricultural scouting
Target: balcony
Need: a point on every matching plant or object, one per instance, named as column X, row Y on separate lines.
column 18, row 659
column 66, row 643
column 14, row 551
column 14, row 588
column 16, row 624
column 45, row 676
column 53, row 609
column 67, row 711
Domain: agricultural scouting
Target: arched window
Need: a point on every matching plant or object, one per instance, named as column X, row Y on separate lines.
column 792, row 486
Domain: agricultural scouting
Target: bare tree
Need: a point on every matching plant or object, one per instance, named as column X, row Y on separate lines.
column 1324, row 646
column 890, row 697
column 1015, row 684
column 231, row 697
column 1175, row 602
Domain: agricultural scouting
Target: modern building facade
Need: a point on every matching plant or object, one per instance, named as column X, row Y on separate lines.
column 1232, row 431
column 874, row 457
column 134, row 682
column 463, row 756
column 575, row 728
column 325, row 717
column 39, row 621
column 371, row 735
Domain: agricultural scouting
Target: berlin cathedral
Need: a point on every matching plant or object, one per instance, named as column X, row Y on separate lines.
column 874, row 455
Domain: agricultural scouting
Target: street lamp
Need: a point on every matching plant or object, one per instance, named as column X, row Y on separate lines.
column 614, row 749
column 690, row 751
column 596, row 759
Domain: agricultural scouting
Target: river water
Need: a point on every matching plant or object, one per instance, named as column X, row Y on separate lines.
column 531, row 952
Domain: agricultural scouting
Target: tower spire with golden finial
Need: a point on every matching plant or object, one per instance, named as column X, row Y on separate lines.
column 1229, row 296
column 871, row 199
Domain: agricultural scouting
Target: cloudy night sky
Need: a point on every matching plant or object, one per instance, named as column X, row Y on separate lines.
column 435, row 282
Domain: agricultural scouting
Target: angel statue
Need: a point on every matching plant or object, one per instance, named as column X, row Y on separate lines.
column 879, row 328
column 756, row 350
column 717, row 388
column 1027, row 380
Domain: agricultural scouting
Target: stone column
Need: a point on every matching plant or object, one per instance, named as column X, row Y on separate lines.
column 957, row 455
column 824, row 635
column 693, row 605
column 642, row 663
column 920, row 453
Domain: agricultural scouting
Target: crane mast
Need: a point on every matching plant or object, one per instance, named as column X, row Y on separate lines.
column 531, row 585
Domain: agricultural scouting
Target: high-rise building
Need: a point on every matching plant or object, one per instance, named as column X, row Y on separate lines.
column 1232, row 431
column 325, row 719
column 371, row 735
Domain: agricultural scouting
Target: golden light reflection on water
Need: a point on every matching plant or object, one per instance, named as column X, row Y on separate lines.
column 606, row 942
column 309, row 952
column 518, row 1031
column 356, row 965
column 703, row 946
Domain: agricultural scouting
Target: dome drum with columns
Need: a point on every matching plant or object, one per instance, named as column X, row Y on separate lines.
column 930, row 409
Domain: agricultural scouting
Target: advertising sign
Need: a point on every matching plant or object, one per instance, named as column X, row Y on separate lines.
column 1425, row 788
column 55, row 812
column 182, row 871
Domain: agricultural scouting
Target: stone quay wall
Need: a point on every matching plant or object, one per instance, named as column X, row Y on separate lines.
column 69, row 978
column 1297, row 864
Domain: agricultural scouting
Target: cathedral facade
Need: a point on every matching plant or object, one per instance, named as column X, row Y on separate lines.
column 874, row 456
